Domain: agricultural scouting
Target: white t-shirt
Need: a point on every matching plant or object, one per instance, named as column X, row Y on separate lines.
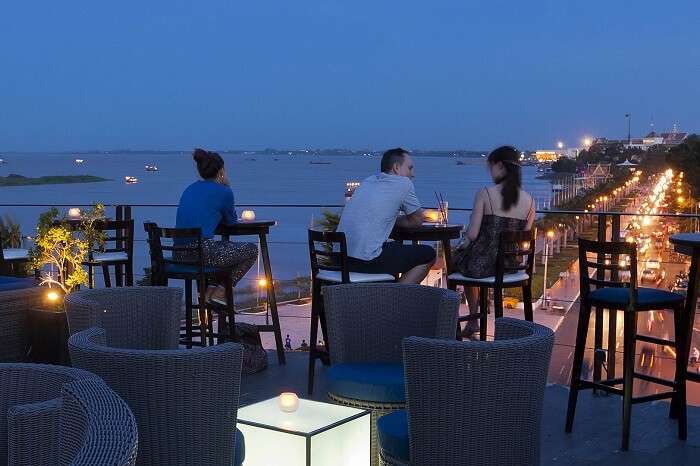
column 371, row 212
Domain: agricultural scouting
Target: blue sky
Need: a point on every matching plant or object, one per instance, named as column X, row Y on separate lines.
column 325, row 73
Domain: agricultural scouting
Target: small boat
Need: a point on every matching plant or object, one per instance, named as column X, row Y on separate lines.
column 131, row 179
column 459, row 162
column 250, row 159
column 151, row 168
column 79, row 161
column 2, row 161
column 319, row 162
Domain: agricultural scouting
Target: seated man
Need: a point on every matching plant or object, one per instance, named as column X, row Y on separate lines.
column 370, row 215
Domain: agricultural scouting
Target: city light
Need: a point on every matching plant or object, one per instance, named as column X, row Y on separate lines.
column 262, row 282
column 587, row 142
column 550, row 234
column 560, row 145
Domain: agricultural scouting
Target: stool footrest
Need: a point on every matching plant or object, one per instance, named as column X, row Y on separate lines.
column 469, row 317
column 605, row 386
column 651, row 378
column 655, row 340
column 653, row 397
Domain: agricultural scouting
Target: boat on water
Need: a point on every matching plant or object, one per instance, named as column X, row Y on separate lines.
column 2, row 161
column 151, row 168
column 79, row 161
column 131, row 179
column 319, row 162
column 459, row 162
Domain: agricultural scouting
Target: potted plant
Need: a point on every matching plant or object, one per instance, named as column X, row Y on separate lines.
column 58, row 255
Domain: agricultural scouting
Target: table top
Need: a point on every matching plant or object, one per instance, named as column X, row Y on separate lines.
column 428, row 232
column 246, row 226
column 311, row 416
column 686, row 239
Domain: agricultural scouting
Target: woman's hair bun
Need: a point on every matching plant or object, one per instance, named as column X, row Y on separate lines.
column 208, row 163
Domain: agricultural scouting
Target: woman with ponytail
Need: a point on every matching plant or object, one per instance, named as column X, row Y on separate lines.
column 207, row 203
column 501, row 207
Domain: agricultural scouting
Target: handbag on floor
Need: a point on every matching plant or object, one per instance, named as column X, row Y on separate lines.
column 254, row 355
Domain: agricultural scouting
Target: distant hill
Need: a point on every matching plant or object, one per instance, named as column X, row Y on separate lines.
column 19, row 180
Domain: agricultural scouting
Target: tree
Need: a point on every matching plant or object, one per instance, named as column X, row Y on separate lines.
column 564, row 165
column 686, row 157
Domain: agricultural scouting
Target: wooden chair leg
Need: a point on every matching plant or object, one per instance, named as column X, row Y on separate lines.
column 630, row 336
column 498, row 301
column 483, row 312
column 202, row 310
column 527, row 302
column 188, row 313
column 452, row 286
column 118, row 274
column 678, row 408
column 105, row 276
column 584, row 318
column 91, row 277
column 230, row 309
column 313, row 334
column 130, row 273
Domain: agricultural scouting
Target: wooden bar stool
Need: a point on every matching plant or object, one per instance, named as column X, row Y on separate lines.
column 120, row 255
column 188, row 242
column 616, row 295
column 514, row 262
column 328, row 252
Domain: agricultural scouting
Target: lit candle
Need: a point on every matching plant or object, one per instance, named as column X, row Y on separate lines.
column 74, row 212
column 248, row 215
column 288, row 402
column 432, row 215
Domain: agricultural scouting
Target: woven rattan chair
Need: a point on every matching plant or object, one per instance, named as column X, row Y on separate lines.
column 63, row 416
column 471, row 402
column 185, row 401
column 366, row 323
column 143, row 317
column 17, row 297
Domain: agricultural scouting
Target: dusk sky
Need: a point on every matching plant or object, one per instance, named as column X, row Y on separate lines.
column 167, row 74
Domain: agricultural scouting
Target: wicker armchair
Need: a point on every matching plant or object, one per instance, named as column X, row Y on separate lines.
column 185, row 401
column 366, row 325
column 59, row 415
column 139, row 317
column 17, row 297
column 465, row 399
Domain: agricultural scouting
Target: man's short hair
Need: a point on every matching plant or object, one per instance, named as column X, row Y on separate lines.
column 391, row 157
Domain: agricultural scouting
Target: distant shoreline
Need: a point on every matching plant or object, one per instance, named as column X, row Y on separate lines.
column 264, row 152
column 19, row 180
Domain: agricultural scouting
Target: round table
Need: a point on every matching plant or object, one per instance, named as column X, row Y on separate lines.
column 689, row 245
column 431, row 232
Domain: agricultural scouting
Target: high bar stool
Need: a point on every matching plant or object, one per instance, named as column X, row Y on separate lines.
column 514, row 263
column 328, row 252
column 190, row 270
column 616, row 295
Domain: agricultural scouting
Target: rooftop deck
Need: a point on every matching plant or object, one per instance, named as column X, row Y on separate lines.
column 597, row 428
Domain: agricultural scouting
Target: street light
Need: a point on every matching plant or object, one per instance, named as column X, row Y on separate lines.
column 587, row 142
column 560, row 145
column 550, row 236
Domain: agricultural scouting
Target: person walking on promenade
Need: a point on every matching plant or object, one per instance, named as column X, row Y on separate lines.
column 501, row 207
column 370, row 215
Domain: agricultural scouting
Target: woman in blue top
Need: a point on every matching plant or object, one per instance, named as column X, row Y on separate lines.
column 207, row 203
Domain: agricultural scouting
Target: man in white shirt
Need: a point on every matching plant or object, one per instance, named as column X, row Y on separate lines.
column 370, row 215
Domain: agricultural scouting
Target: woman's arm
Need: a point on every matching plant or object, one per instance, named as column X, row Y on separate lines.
column 229, row 215
column 476, row 217
column 530, row 215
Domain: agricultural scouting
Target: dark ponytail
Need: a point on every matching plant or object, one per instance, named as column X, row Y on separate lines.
column 208, row 163
column 509, row 156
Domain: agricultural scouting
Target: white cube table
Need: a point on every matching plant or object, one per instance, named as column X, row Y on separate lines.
column 316, row 434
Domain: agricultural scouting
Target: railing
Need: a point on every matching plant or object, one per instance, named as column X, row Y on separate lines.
column 606, row 225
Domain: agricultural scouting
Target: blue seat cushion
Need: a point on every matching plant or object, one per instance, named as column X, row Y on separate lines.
column 15, row 283
column 187, row 269
column 393, row 435
column 380, row 382
column 646, row 297
column 239, row 454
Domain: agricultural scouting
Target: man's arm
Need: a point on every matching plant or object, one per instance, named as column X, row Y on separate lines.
column 411, row 206
column 410, row 221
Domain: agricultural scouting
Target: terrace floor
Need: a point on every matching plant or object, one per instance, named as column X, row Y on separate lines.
column 597, row 428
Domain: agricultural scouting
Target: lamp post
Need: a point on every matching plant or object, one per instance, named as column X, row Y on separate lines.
column 629, row 127
column 550, row 235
